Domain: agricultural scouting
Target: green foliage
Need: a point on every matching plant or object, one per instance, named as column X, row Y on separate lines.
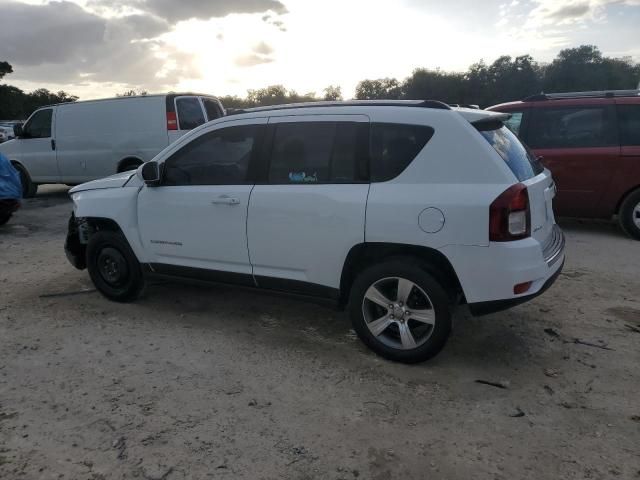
column 5, row 68
column 333, row 93
column 383, row 88
column 132, row 93
column 18, row 105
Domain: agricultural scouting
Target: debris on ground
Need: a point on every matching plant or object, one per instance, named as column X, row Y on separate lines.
column 501, row 384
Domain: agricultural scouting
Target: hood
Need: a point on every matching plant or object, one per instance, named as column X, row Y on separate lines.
column 114, row 181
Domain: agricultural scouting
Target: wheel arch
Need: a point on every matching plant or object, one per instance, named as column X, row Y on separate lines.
column 623, row 197
column 365, row 254
column 129, row 160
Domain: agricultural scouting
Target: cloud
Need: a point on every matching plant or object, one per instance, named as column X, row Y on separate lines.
column 260, row 54
column 570, row 11
column 175, row 11
column 64, row 43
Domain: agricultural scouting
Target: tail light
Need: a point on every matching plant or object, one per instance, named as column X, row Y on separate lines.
column 172, row 121
column 510, row 215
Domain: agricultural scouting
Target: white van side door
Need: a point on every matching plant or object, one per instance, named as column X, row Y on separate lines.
column 37, row 146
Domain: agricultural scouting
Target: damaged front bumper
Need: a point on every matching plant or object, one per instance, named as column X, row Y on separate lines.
column 74, row 249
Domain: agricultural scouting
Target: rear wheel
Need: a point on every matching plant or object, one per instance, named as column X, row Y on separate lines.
column 29, row 189
column 4, row 218
column 400, row 311
column 113, row 267
column 629, row 215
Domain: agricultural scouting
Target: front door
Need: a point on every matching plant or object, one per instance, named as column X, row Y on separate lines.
column 37, row 147
column 194, row 223
column 579, row 146
column 311, row 208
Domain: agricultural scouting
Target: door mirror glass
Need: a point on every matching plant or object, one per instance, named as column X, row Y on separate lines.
column 150, row 173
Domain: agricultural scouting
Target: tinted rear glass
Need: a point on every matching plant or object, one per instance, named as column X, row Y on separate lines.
column 190, row 113
column 394, row 146
column 518, row 158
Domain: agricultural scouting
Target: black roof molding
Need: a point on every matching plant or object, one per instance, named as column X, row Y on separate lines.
column 590, row 94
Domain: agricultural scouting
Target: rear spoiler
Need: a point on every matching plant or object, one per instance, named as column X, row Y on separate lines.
column 491, row 122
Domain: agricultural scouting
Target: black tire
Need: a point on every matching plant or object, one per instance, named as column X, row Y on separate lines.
column 113, row 267
column 434, row 336
column 629, row 215
column 29, row 189
column 4, row 218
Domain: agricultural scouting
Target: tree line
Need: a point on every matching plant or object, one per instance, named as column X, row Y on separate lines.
column 15, row 104
column 506, row 79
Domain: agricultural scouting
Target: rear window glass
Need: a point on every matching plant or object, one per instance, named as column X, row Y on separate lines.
column 518, row 158
column 190, row 113
column 212, row 109
column 394, row 146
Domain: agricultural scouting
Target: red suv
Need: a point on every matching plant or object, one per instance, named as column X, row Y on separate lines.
column 590, row 141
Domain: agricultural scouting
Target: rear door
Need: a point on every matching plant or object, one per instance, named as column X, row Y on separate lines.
column 189, row 114
column 310, row 208
column 579, row 145
column 37, row 146
column 212, row 108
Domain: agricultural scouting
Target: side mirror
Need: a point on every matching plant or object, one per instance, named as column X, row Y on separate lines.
column 149, row 172
column 17, row 130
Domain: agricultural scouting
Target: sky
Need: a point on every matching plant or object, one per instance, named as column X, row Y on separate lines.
column 97, row 48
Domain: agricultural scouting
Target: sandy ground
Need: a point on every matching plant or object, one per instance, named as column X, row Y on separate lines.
column 221, row 383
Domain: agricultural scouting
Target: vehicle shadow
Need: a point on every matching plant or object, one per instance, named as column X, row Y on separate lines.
column 591, row 226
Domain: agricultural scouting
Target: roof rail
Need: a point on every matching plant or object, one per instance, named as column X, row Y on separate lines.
column 349, row 103
column 590, row 94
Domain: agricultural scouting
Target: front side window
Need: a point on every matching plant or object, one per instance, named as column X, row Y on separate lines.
column 39, row 125
column 571, row 127
column 394, row 146
column 517, row 157
column 317, row 152
column 515, row 122
column 629, row 124
column 190, row 113
column 220, row 157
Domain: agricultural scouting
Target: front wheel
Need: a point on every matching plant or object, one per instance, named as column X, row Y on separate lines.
column 629, row 216
column 4, row 218
column 113, row 266
column 29, row 189
column 400, row 311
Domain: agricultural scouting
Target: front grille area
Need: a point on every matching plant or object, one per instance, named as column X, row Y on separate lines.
column 553, row 246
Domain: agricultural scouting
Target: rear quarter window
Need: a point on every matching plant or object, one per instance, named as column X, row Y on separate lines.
column 518, row 158
column 394, row 146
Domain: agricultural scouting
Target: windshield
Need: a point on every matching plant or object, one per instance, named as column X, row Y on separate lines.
column 518, row 158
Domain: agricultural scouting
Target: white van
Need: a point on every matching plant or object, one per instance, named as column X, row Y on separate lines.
column 76, row 142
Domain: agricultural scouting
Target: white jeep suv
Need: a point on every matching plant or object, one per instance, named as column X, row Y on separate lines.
column 398, row 210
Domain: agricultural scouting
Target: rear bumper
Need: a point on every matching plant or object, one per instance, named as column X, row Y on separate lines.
column 489, row 274
column 485, row 308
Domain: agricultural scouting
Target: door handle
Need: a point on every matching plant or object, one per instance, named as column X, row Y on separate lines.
column 53, row 144
column 225, row 200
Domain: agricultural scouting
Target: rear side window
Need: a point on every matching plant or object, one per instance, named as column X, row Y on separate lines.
column 39, row 126
column 218, row 158
column 394, row 146
column 571, row 127
column 212, row 108
column 629, row 124
column 190, row 113
column 517, row 157
column 317, row 152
